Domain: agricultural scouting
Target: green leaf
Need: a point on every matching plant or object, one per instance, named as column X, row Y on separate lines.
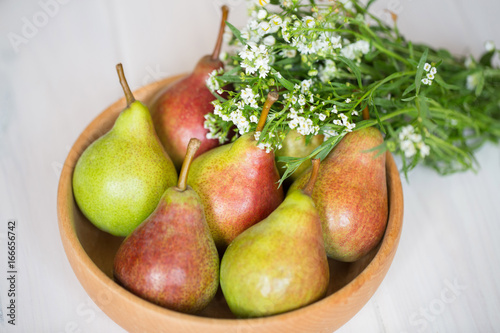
column 353, row 67
column 445, row 85
column 285, row 83
column 236, row 33
column 408, row 99
column 409, row 89
column 420, row 70
column 480, row 85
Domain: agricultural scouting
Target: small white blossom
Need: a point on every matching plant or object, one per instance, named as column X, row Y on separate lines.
column 327, row 71
column 254, row 119
column 255, row 58
column 472, row 81
column 275, row 22
column 424, row 149
column 329, row 133
column 355, row 50
column 302, row 100
column 248, row 97
column 489, row 46
column 265, row 146
column 261, row 14
column 411, row 142
column 321, row 116
column 263, row 28
column 348, row 100
column 269, row 40
column 427, row 67
column 354, row 113
column 309, row 21
column 305, row 85
column 408, row 147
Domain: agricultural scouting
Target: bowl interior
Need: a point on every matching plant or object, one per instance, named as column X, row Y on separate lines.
column 83, row 239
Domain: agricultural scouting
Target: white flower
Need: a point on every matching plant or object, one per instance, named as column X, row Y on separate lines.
column 329, row 133
column 309, row 21
column 248, row 97
column 424, row 149
column 321, row 116
column 327, row 71
column 289, row 53
column 406, row 131
column 347, row 4
column 355, row 50
column 265, row 146
column 416, row 138
column 472, row 81
column 263, row 28
column 433, row 70
column 426, row 81
column 468, row 62
column 489, row 46
column 256, row 135
column 302, row 100
column 262, row 14
column 354, row 113
column 254, row 119
column 334, row 109
column 430, row 76
column 408, row 147
column 228, row 35
column 269, row 40
column 348, row 100
column 212, row 83
column 275, row 22
column 255, row 58
column 305, row 85
column 427, row 67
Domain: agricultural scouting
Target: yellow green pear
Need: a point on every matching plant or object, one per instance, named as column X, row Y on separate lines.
column 280, row 263
column 120, row 178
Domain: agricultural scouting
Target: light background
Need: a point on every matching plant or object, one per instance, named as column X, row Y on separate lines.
column 62, row 76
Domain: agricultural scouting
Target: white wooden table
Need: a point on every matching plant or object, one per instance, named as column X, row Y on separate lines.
column 57, row 73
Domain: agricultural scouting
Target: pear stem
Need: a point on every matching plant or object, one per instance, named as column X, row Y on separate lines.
column 192, row 147
column 366, row 114
column 271, row 98
column 123, row 81
column 218, row 44
column 308, row 189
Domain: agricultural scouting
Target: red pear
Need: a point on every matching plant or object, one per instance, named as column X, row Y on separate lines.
column 179, row 111
column 237, row 183
column 351, row 195
column 171, row 259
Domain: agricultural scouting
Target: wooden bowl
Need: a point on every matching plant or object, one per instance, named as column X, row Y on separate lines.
column 91, row 252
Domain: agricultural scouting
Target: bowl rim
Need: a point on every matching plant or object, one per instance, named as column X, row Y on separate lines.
column 78, row 257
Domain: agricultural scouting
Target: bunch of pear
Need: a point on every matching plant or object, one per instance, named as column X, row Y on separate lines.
column 225, row 202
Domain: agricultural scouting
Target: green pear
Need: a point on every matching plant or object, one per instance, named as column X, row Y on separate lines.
column 237, row 183
column 171, row 259
column 351, row 195
column 120, row 178
column 278, row 264
column 296, row 145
